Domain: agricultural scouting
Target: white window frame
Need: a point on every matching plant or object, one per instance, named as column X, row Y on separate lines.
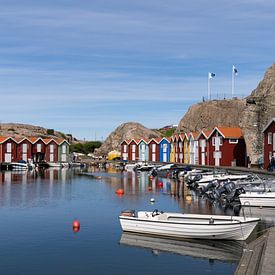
column 154, row 147
column 51, row 148
column 39, row 147
column 24, row 147
column 124, row 148
column 233, row 141
column 213, row 141
column 9, row 147
column 221, row 140
column 64, row 151
column 269, row 138
column 133, row 148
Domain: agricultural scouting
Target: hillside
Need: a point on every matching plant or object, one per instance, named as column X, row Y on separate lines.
column 23, row 130
column 127, row 130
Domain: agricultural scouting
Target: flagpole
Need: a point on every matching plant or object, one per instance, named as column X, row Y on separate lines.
column 208, row 87
column 233, row 82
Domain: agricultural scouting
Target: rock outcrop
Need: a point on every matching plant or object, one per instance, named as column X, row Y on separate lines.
column 260, row 109
column 250, row 114
column 207, row 115
column 127, row 130
column 25, row 130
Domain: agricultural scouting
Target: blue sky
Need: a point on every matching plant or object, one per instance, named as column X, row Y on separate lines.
column 86, row 66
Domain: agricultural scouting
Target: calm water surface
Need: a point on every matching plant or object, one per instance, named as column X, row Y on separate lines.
column 36, row 236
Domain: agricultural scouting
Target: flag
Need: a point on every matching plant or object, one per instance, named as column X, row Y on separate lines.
column 211, row 75
column 235, row 71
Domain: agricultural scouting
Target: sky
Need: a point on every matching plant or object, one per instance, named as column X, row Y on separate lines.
column 86, row 66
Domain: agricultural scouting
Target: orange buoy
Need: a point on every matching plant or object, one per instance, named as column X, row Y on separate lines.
column 151, row 177
column 120, row 192
column 76, row 225
column 149, row 188
column 168, row 174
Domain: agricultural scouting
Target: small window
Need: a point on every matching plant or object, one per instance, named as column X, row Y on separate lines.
column 269, row 138
column 233, row 141
column 220, row 141
column 269, row 155
column 125, row 148
column 154, row 147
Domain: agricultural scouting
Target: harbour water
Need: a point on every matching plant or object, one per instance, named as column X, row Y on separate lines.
column 37, row 209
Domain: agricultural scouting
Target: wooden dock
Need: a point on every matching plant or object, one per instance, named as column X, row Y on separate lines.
column 258, row 257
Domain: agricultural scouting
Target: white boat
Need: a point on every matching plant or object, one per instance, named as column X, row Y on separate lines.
column 193, row 226
column 264, row 199
column 55, row 164
column 19, row 165
column 205, row 249
column 206, row 179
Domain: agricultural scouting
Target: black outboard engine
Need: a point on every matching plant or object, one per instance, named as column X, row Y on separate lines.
column 154, row 172
column 233, row 196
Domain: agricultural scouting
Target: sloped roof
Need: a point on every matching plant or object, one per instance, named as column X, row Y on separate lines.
column 268, row 124
column 229, row 132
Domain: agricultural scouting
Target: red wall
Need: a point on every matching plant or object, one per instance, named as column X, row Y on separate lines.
column 47, row 151
column 229, row 152
column 130, row 151
column 268, row 147
column 20, row 150
column 13, row 150
column 151, row 151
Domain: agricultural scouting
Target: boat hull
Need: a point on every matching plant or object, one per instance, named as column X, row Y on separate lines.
column 189, row 226
column 258, row 199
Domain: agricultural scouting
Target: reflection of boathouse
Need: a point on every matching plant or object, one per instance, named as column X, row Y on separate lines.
column 35, row 148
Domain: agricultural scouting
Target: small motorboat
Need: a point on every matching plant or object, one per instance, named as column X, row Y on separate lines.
column 20, row 165
column 192, row 226
column 262, row 199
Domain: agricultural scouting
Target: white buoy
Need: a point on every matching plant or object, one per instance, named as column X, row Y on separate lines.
column 152, row 200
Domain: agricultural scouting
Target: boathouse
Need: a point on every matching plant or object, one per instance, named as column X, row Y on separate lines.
column 186, row 148
column 143, row 150
column 133, row 150
column 8, row 149
column 63, row 150
column 269, row 142
column 194, row 148
column 154, row 150
column 164, row 147
column 24, row 149
column 180, row 146
column 227, row 147
column 125, row 149
column 173, row 149
column 51, row 150
column 203, row 147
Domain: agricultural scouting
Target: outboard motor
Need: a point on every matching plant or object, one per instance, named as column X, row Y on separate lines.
column 154, row 172
column 229, row 186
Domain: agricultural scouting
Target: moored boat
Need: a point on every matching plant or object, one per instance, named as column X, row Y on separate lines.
column 263, row 199
column 193, row 226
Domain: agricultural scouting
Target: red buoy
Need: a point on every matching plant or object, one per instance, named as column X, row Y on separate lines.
column 120, row 192
column 160, row 184
column 149, row 188
column 76, row 225
column 151, row 177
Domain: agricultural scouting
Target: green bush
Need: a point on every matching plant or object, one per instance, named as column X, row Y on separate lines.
column 85, row 148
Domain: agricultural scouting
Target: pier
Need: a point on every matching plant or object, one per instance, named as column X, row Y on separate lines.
column 258, row 257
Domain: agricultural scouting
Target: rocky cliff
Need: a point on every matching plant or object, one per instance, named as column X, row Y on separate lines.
column 125, row 131
column 251, row 114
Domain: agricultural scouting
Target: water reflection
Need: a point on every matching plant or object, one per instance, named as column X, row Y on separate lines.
column 33, row 188
column 228, row 251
